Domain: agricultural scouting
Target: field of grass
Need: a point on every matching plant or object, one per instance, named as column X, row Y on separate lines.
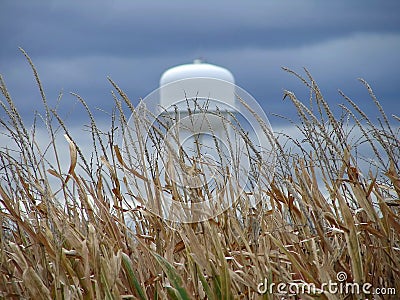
column 323, row 217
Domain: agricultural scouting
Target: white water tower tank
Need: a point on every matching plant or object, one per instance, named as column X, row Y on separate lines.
column 200, row 99
column 207, row 91
column 198, row 80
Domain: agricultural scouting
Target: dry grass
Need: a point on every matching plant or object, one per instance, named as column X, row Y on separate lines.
column 321, row 216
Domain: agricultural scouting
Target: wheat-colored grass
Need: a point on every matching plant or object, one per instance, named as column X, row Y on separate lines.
column 322, row 213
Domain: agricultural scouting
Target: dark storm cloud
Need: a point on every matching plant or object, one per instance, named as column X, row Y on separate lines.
column 73, row 28
column 76, row 44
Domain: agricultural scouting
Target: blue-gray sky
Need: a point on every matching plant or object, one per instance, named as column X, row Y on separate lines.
column 77, row 44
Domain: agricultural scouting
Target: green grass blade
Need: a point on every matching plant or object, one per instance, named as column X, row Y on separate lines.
column 133, row 282
column 173, row 293
column 204, row 283
column 172, row 275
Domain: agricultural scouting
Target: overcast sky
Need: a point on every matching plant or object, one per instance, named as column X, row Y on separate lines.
column 77, row 44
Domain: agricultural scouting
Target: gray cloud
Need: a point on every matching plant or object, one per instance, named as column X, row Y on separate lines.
column 65, row 28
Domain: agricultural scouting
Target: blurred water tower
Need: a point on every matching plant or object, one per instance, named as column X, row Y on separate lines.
column 204, row 142
column 208, row 92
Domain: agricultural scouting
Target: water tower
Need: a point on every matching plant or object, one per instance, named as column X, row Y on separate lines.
column 196, row 145
column 198, row 69
column 200, row 99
